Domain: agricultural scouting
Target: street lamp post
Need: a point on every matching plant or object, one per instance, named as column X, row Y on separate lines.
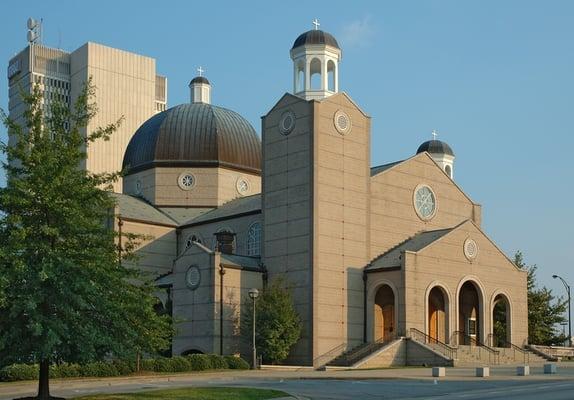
column 254, row 293
column 567, row 286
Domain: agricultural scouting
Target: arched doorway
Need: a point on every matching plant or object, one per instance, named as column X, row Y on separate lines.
column 385, row 324
column 437, row 315
column 501, row 322
column 469, row 319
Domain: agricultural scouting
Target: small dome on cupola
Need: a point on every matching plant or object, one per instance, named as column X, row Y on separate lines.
column 316, row 56
column 440, row 152
column 200, row 88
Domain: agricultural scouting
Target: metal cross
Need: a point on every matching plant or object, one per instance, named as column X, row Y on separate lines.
column 200, row 70
column 434, row 134
column 316, row 23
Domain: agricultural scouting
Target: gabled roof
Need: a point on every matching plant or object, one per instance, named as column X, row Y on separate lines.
column 134, row 208
column 243, row 262
column 233, row 208
column 380, row 168
column 392, row 258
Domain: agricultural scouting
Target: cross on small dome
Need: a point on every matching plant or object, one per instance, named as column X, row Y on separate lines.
column 200, row 71
column 316, row 23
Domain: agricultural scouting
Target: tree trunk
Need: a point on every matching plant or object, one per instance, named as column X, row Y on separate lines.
column 44, row 383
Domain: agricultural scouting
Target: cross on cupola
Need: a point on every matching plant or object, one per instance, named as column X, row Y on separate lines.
column 200, row 88
column 434, row 134
column 316, row 23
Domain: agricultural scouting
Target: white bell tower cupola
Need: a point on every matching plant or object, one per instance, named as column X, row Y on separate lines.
column 316, row 56
column 440, row 152
column 200, row 88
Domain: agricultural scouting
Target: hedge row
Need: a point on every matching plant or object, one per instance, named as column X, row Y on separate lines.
column 193, row 362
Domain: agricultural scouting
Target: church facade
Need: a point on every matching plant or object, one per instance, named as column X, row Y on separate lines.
column 371, row 254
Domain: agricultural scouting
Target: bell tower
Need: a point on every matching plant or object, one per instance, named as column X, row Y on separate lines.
column 316, row 56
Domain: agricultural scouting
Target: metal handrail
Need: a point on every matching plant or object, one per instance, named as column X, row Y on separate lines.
column 421, row 337
column 354, row 356
column 329, row 356
column 509, row 345
column 493, row 354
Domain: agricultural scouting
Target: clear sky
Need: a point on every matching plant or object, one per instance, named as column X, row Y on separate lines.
column 494, row 78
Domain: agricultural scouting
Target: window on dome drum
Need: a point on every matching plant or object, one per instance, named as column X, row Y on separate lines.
column 193, row 238
column 448, row 170
column 315, row 74
column 254, row 240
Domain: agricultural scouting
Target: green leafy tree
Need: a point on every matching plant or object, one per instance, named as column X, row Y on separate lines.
column 277, row 325
column 545, row 311
column 67, row 296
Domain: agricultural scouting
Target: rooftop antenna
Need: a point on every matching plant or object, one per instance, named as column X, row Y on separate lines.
column 34, row 31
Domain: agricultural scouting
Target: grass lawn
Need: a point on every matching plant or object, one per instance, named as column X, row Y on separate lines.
column 215, row 393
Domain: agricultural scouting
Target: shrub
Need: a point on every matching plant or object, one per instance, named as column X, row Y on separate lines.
column 163, row 365
column 217, row 361
column 19, row 372
column 65, row 370
column 199, row 362
column 147, row 364
column 180, row 364
column 236, row 362
column 99, row 369
column 124, row 367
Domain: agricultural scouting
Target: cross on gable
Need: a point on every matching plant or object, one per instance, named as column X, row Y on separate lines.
column 316, row 23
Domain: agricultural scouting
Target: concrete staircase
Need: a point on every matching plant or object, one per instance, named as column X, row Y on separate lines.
column 356, row 354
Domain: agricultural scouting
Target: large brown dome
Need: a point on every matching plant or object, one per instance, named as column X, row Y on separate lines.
column 194, row 135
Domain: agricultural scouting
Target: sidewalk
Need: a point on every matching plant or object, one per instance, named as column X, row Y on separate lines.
column 83, row 386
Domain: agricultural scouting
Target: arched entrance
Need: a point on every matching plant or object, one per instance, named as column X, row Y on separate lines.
column 437, row 315
column 501, row 322
column 469, row 319
column 385, row 324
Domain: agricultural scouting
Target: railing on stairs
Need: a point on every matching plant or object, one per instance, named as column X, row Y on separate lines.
column 329, row 356
column 443, row 348
column 476, row 346
column 509, row 348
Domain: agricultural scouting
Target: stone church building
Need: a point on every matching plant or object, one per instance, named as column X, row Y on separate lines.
column 372, row 254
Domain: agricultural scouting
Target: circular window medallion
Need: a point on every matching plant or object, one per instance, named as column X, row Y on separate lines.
column 424, row 201
column 139, row 186
column 470, row 249
column 342, row 122
column 242, row 186
column 186, row 181
column 287, row 122
column 192, row 277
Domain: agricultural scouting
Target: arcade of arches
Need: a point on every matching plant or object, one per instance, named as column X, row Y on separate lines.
column 460, row 323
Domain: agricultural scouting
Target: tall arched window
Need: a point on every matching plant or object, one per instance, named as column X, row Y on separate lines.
column 254, row 240
column 331, row 75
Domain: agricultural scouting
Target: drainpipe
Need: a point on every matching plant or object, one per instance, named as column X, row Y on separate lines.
column 364, row 306
column 221, row 273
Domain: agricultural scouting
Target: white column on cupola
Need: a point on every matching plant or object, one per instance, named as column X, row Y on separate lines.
column 310, row 49
column 200, row 88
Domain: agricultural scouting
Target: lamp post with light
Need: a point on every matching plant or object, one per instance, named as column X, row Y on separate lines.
column 567, row 286
column 254, row 293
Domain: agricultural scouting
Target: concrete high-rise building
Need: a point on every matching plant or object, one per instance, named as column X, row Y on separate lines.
column 126, row 86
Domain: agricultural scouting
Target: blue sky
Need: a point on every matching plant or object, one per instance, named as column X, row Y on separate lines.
column 494, row 78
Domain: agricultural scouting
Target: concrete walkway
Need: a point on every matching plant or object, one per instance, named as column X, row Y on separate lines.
column 77, row 387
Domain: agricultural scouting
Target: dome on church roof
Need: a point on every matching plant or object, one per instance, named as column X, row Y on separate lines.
column 315, row 36
column 194, row 135
column 435, row 147
column 199, row 79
